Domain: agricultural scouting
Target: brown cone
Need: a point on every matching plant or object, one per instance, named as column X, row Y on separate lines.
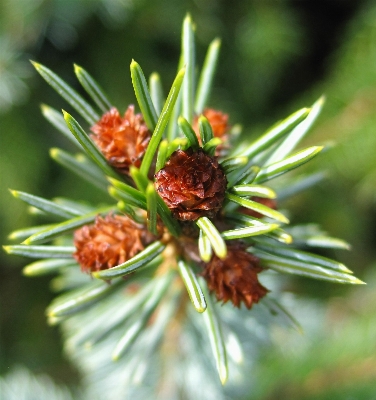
column 192, row 184
column 235, row 277
column 123, row 141
column 109, row 242
column 218, row 121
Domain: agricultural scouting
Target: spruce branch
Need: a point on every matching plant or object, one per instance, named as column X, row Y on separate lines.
column 190, row 218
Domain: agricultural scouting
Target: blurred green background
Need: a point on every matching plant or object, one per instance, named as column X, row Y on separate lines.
column 276, row 56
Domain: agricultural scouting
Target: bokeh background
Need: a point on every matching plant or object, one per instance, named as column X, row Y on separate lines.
column 276, row 57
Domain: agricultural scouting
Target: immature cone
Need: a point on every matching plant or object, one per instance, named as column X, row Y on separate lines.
column 235, row 277
column 122, row 140
column 218, row 121
column 109, row 242
column 192, row 185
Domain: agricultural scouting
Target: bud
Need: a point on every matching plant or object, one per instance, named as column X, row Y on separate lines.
column 192, row 184
column 123, row 141
column 235, row 278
